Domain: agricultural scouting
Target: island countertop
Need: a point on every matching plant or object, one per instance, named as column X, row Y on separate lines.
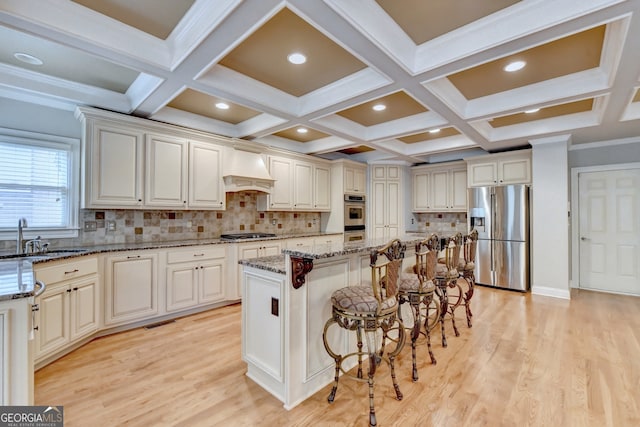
column 276, row 263
column 16, row 279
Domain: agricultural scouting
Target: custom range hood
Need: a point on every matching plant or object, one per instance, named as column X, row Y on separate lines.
column 244, row 169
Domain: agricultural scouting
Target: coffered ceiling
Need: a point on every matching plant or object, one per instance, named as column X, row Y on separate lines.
column 412, row 80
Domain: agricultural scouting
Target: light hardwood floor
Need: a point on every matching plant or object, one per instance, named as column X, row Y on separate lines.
column 528, row 360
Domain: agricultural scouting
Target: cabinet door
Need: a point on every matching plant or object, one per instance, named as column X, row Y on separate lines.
column 281, row 196
column 349, row 180
column 322, row 188
column 482, row 174
column 53, row 320
column 84, row 307
column 379, row 209
column 205, row 176
column 131, row 285
column 458, row 195
column 182, row 286
column 211, row 280
column 114, row 165
column 421, row 191
column 440, row 190
column 360, row 176
column 166, row 171
column 303, row 185
column 515, row 171
column 393, row 209
column 271, row 249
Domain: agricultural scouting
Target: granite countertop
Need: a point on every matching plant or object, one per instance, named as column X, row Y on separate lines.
column 71, row 252
column 276, row 263
column 16, row 279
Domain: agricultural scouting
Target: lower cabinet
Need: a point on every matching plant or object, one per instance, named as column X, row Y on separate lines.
column 68, row 310
column 195, row 277
column 131, row 287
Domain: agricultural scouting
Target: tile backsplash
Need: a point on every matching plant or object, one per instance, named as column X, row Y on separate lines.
column 443, row 224
column 140, row 226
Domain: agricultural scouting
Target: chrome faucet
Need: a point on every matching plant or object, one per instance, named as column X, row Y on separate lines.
column 22, row 223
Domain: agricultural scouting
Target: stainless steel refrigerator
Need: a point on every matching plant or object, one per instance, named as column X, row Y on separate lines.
column 501, row 216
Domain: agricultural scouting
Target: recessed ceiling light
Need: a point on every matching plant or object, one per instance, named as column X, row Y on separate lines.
column 297, row 58
column 302, row 130
column 533, row 110
column 514, row 66
column 379, row 107
column 29, row 59
column 222, row 106
column 434, row 131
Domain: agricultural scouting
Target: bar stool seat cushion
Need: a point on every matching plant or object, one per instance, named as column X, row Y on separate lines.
column 359, row 299
column 443, row 272
column 410, row 282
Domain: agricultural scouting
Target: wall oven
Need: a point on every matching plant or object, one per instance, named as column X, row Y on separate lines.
column 354, row 217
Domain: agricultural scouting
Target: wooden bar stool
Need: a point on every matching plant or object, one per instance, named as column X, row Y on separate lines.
column 418, row 289
column 371, row 310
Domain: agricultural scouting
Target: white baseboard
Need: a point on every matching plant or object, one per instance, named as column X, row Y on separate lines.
column 551, row 292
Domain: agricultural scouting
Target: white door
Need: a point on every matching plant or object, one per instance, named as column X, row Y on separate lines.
column 609, row 230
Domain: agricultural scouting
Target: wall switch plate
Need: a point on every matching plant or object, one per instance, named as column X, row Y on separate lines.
column 111, row 225
column 90, row 226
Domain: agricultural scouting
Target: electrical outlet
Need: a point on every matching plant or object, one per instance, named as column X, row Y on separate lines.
column 90, row 226
column 189, row 224
column 111, row 225
column 274, row 221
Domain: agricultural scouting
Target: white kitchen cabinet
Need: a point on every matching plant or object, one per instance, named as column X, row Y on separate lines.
column 206, row 187
column 112, row 166
column 355, row 179
column 69, row 307
column 386, row 203
column 131, row 287
column 299, row 186
column 183, row 174
column 321, row 188
column 500, row 169
column 440, row 189
column 281, row 197
column 195, row 276
column 303, row 185
column 166, row 171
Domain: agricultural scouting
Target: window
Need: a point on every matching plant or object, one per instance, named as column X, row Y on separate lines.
column 38, row 181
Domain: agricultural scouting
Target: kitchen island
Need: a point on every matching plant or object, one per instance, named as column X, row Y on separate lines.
column 285, row 306
column 17, row 288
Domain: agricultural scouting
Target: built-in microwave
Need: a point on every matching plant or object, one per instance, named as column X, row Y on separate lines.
column 354, row 211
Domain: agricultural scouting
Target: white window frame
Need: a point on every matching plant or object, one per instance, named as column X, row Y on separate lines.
column 46, row 140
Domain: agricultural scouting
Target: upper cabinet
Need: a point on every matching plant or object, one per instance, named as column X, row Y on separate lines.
column 355, row 179
column 112, row 166
column 127, row 165
column 206, row 188
column 166, row 171
column 500, row 169
column 299, row 186
column 440, row 188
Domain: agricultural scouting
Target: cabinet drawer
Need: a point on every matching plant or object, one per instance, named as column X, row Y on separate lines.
column 67, row 269
column 196, row 254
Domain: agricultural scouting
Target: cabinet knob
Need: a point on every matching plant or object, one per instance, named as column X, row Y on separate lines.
column 140, row 200
column 68, row 291
column 75, row 289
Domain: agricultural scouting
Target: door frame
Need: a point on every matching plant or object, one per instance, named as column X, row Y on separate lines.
column 575, row 213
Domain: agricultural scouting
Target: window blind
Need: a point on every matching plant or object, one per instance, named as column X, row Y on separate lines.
column 34, row 184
